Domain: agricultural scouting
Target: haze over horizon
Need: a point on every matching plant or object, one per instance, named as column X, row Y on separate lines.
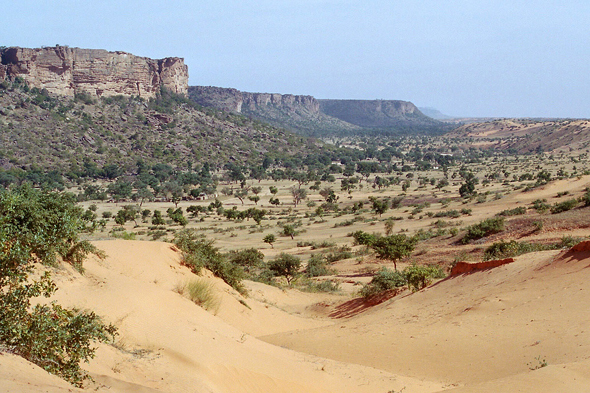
column 464, row 58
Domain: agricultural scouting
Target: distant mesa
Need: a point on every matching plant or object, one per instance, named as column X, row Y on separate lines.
column 66, row 71
column 310, row 116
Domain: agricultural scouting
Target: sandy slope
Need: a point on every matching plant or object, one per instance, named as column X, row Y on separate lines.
column 481, row 331
column 168, row 344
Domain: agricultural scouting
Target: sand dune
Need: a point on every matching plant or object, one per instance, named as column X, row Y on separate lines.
column 482, row 331
column 169, row 344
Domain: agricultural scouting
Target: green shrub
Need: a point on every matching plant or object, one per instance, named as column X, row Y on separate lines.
column 198, row 253
column 322, row 286
column 448, row 213
column 484, row 228
column 540, row 205
column 384, row 280
column 564, row 206
column 569, row 241
column 513, row 212
column 502, row 249
column 418, row 276
column 364, row 238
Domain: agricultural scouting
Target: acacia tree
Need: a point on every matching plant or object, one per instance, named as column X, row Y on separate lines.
column 270, row 239
column 285, row 265
column 394, row 247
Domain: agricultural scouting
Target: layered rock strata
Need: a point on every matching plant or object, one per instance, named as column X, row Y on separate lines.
column 66, row 71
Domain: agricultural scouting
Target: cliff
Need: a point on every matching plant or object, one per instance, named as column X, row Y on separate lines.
column 310, row 116
column 66, row 71
column 233, row 100
column 297, row 113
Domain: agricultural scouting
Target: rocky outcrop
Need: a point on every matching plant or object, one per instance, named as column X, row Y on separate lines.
column 66, row 71
column 467, row 267
column 233, row 100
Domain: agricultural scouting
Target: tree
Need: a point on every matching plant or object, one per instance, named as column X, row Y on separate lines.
column 298, row 194
column 289, row 230
column 173, row 192
column 120, row 190
column 241, row 194
column 157, row 218
column 254, row 198
column 248, row 259
column 270, row 239
column 379, row 206
column 394, row 247
column 127, row 213
column 285, row 265
column 35, row 227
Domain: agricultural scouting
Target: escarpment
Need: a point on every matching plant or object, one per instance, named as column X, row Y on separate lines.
column 67, row 71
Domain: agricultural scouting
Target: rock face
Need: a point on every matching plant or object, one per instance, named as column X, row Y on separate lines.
column 310, row 116
column 233, row 100
column 67, row 71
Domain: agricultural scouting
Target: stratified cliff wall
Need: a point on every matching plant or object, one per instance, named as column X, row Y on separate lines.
column 233, row 100
column 66, row 71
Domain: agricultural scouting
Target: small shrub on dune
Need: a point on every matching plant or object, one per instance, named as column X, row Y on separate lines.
column 202, row 292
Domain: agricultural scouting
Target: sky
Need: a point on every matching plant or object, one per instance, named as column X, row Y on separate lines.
column 478, row 58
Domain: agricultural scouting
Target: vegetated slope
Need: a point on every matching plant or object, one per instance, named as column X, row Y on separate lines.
column 475, row 329
column 167, row 343
column 54, row 132
column 383, row 116
column 309, row 116
column 530, row 135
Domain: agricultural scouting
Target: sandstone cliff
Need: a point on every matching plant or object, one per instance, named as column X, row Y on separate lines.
column 310, row 116
column 233, row 100
column 67, row 71
column 294, row 112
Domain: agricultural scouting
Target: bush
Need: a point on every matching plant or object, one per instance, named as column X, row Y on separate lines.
column 202, row 292
column 322, row 286
column 484, row 228
column 540, row 206
column 198, row 253
column 384, row 280
column 418, row 277
column 502, row 249
column 513, row 212
column 249, row 259
column 564, row 206
column 317, row 266
column 364, row 238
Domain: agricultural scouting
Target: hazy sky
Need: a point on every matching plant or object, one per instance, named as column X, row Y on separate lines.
column 463, row 57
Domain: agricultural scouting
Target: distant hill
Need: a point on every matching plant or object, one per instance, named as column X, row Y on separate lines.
column 529, row 135
column 310, row 116
column 434, row 113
